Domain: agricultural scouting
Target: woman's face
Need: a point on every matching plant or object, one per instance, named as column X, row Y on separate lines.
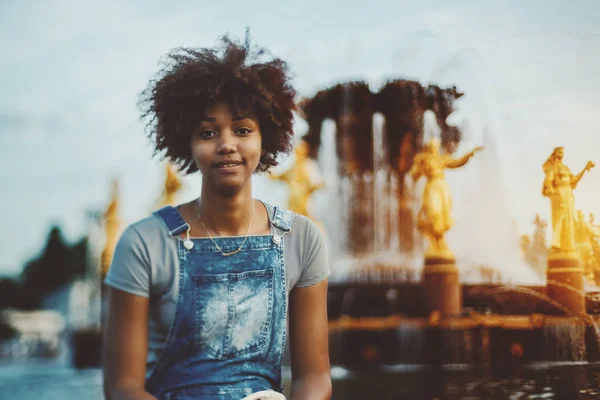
column 226, row 148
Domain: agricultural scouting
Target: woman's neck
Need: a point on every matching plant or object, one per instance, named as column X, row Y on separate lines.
column 226, row 215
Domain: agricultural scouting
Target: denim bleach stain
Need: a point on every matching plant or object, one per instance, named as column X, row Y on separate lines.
column 228, row 334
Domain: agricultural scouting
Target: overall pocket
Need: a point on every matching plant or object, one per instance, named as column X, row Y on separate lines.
column 233, row 313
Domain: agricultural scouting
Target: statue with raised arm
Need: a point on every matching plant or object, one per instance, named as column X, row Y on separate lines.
column 559, row 184
column 172, row 185
column 112, row 224
column 303, row 178
column 525, row 243
column 434, row 218
column 595, row 242
column 593, row 221
column 586, row 235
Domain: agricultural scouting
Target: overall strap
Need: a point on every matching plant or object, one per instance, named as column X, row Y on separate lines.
column 173, row 220
column 282, row 219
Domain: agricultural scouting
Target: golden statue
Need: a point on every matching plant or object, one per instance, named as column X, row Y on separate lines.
column 112, row 225
column 534, row 247
column 559, row 184
column 585, row 236
column 302, row 180
column 592, row 221
column 525, row 244
column 434, row 218
column 171, row 187
column 594, row 241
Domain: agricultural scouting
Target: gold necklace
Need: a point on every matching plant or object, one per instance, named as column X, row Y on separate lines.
column 213, row 240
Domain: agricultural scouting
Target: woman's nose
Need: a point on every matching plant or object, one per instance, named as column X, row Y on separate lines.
column 227, row 143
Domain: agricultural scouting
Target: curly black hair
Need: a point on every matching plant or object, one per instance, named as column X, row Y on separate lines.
column 191, row 80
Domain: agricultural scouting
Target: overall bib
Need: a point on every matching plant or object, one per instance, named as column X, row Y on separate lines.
column 228, row 333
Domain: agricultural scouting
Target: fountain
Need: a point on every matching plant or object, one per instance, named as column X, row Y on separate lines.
column 393, row 303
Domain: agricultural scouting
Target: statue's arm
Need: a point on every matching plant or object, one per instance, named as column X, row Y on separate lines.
column 548, row 188
column 575, row 180
column 316, row 186
column 415, row 170
column 459, row 162
column 594, row 231
column 279, row 177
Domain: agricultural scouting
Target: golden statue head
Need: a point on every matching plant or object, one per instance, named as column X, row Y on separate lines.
column 557, row 154
column 433, row 146
column 556, row 157
column 301, row 150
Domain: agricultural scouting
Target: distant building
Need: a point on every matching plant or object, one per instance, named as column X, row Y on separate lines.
column 78, row 302
column 38, row 334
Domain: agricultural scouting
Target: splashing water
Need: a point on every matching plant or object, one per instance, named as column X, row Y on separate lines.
column 332, row 193
column 533, row 293
column 485, row 234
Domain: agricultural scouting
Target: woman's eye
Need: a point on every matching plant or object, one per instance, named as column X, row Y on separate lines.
column 243, row 131
column 206, row 134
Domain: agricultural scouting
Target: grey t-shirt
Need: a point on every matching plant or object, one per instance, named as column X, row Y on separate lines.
column 145, row 263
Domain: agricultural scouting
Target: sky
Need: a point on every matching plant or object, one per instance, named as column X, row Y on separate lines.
column 71, row 73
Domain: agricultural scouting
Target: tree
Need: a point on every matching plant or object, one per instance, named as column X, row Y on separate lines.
column 10, row 294
column 57, row 265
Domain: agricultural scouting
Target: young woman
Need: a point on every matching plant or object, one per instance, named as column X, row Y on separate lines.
column 203, row 296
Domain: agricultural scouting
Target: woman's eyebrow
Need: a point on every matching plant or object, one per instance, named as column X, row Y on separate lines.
column 236, row 118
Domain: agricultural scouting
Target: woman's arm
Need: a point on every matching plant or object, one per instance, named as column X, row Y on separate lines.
column 309, row 343
column 126, row 346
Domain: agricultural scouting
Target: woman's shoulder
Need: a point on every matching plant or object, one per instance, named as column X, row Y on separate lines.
column 300, row 223
column 305, row 234
column 308, row 247
column 306, row 227
column 149, row 228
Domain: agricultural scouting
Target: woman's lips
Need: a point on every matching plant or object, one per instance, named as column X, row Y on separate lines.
column 228, row 167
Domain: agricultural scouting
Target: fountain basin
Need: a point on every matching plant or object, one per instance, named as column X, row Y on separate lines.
column 375, row 325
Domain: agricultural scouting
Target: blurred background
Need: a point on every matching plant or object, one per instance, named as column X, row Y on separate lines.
column 72, row 144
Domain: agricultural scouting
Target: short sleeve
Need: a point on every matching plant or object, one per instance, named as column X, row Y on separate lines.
column 315, row 262
column 130, row 267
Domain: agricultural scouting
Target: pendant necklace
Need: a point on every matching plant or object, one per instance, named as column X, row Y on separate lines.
column 215, row 243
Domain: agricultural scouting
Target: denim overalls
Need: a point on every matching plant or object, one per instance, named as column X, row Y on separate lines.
column 228, row 332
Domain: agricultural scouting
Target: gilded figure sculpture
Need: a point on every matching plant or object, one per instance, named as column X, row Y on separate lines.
column 535, row 250
column 593, row 221
column 434, row 218
column 112, row 225
column 303, row 178
column 595, row 241
column 586, row 235
column 559, row 184
column 525, row 244
column 172, row 185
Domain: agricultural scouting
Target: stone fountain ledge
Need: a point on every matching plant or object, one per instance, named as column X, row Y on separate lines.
column 366, row 342
column 382, row 324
